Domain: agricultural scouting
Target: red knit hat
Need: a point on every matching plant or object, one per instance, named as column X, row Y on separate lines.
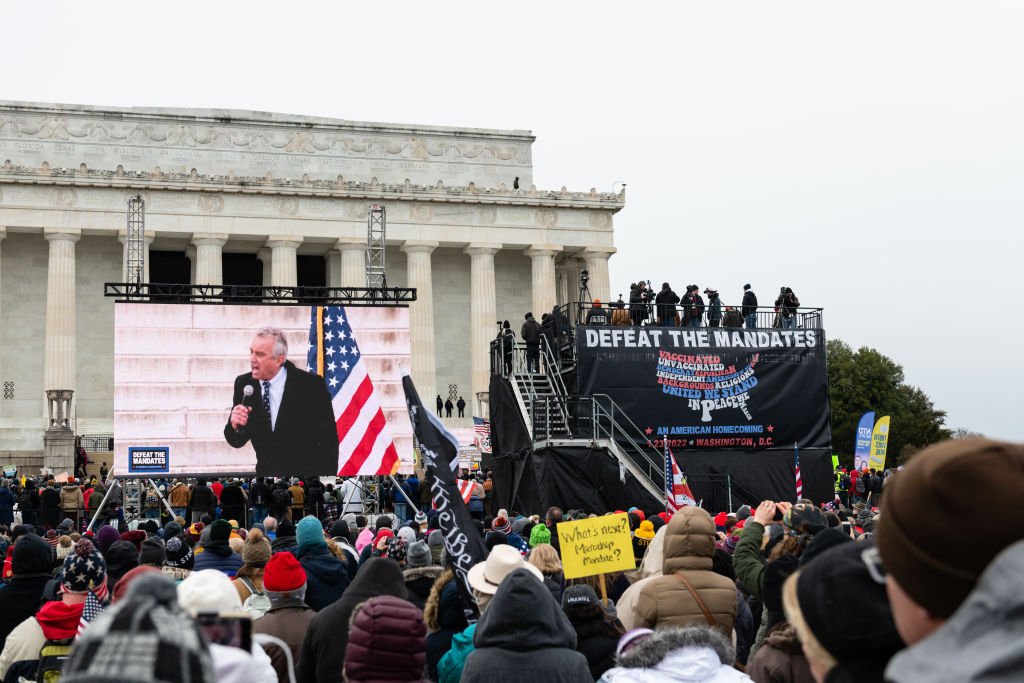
column 283, row 573
column 383, row 533
column 721, row 519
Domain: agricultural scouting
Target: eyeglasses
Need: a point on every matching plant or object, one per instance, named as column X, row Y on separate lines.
column 873, row 561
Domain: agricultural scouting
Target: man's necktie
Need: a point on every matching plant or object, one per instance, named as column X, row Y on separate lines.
column 266, row 397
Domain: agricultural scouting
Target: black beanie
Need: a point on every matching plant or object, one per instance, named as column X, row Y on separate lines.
column 285, row 529
column 822, row 541
column 845, row 608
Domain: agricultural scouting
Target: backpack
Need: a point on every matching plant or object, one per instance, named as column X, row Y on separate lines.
column 844, row 483
column 52, row 657
column 259, row 496
column 25, row 501
column 858, row 488
column 280, row 498
column 257, row 604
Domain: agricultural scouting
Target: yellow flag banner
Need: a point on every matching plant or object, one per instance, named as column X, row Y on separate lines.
column 596, row 546
column 879, row 442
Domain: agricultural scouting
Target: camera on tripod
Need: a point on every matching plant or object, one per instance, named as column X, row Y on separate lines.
column 584, row 277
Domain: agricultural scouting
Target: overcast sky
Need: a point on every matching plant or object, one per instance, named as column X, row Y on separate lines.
column 868, row 155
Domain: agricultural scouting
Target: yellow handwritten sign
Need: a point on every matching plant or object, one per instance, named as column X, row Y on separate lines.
column 596, row 546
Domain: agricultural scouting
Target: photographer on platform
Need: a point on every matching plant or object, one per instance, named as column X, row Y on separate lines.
column 693, row 307
column 597, row 315
column 530, row 333
column 787, row 304
column 665, row 302
column 714, row 308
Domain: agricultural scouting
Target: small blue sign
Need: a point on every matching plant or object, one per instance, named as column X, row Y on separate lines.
column 149, row 460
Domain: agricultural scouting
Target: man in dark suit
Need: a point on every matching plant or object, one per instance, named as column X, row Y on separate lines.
column 288, row 418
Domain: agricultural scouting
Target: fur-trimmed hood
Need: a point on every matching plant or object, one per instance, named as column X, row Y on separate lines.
column 690, row 654
column 431, row 572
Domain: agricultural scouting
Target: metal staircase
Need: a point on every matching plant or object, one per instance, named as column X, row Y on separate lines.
column 556, row 418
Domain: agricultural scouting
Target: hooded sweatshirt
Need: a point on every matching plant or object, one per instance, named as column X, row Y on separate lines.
column 524, row 635
column 323, row 650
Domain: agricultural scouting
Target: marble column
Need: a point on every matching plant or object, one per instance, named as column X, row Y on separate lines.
column 283, row 268
column 264, row 257
column 59, row 345
column 3, row 234
column 209, row 268
column 353, row 261
column 123, row 239
column 597, row 264
column 543, row 285
column 483, row 313
column 421, row 316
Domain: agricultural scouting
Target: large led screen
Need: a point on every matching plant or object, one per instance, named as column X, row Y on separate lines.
column 276, row 390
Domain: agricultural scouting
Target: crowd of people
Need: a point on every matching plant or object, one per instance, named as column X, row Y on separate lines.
column 926, row 588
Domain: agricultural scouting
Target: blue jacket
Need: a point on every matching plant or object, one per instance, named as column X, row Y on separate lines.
column 7, row 501
column 327, row 577
column 213, row 557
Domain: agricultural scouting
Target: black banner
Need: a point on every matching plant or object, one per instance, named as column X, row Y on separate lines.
column 440, row 451
column 712, row 388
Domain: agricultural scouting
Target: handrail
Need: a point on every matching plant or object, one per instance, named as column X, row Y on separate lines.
column 766, row 317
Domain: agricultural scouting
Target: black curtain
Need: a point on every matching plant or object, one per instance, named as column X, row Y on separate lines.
column 511, row 446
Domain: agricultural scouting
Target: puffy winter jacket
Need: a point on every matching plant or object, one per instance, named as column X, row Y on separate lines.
column 327, row 577
column 689, row 549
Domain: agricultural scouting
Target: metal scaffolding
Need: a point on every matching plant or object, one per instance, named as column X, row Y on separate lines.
column 135, row 241
column 376, row 224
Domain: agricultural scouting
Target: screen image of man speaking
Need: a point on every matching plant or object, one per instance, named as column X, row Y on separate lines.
column 286, row 412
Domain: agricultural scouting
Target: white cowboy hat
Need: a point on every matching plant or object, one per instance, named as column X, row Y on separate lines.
column 503, row 560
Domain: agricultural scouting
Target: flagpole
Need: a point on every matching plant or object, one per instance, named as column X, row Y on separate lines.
column 407, row 499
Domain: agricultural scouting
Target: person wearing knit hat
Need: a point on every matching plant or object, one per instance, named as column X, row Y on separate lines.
column 419, row 573
column 255, row 553
column 235, row 543
column 935, row 547
column 501, row 524
column 180, row 558
column 194, row 533
column 153, row 552
column 597, row 633
column 642, row 538
column 106, row 537
column 288, row 618
column 396, row 550
column 146, row 636
column 327, row 575
column 209, row 590
column 171, row 529
column 121, row 558
column 406, row 534
column 539, row 534
column 121, row 587
column 217, row 552
column 84, row 573
column 135, row 537
column 387, row 642
column 436, row 542
column 844, row 639
column 743, row 513
column 721, row 519
column 64, row 545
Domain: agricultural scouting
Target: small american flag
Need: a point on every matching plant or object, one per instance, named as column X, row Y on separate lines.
column 365, row 444
column 482, row 438
column 799, row 481
column 92, row 609
column 677, row 491
column 465, row 489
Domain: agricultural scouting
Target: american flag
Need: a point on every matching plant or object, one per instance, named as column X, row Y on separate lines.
column 799, row 481
column 465, row 489
column 365, row 444
column 92, row 609
column 677, row 491
column 482, row 438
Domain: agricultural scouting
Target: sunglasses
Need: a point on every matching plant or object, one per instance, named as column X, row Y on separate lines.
column 873, row 561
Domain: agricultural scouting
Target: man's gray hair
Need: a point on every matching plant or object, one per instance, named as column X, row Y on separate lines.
column 280, row 343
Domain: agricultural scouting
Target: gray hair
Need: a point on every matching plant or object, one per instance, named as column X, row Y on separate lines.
column 666, row 639
column 280, row 343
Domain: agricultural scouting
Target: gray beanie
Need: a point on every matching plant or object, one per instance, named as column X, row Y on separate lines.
column 436, row 538
column 418, row 555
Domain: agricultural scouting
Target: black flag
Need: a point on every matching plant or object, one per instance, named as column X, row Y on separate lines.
column 440, row 451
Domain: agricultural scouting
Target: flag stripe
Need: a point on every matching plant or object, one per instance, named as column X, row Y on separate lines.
column 364, row 449
column 351, row 412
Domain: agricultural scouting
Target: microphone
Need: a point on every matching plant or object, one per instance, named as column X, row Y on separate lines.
column 246, row 394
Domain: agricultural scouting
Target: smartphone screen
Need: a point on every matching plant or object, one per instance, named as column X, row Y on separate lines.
column 846, row 527
column 227, row 629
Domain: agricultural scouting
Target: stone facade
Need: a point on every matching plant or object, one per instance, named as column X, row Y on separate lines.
column 278, row 187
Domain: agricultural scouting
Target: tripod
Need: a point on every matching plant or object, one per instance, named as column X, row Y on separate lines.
column 584, row 295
